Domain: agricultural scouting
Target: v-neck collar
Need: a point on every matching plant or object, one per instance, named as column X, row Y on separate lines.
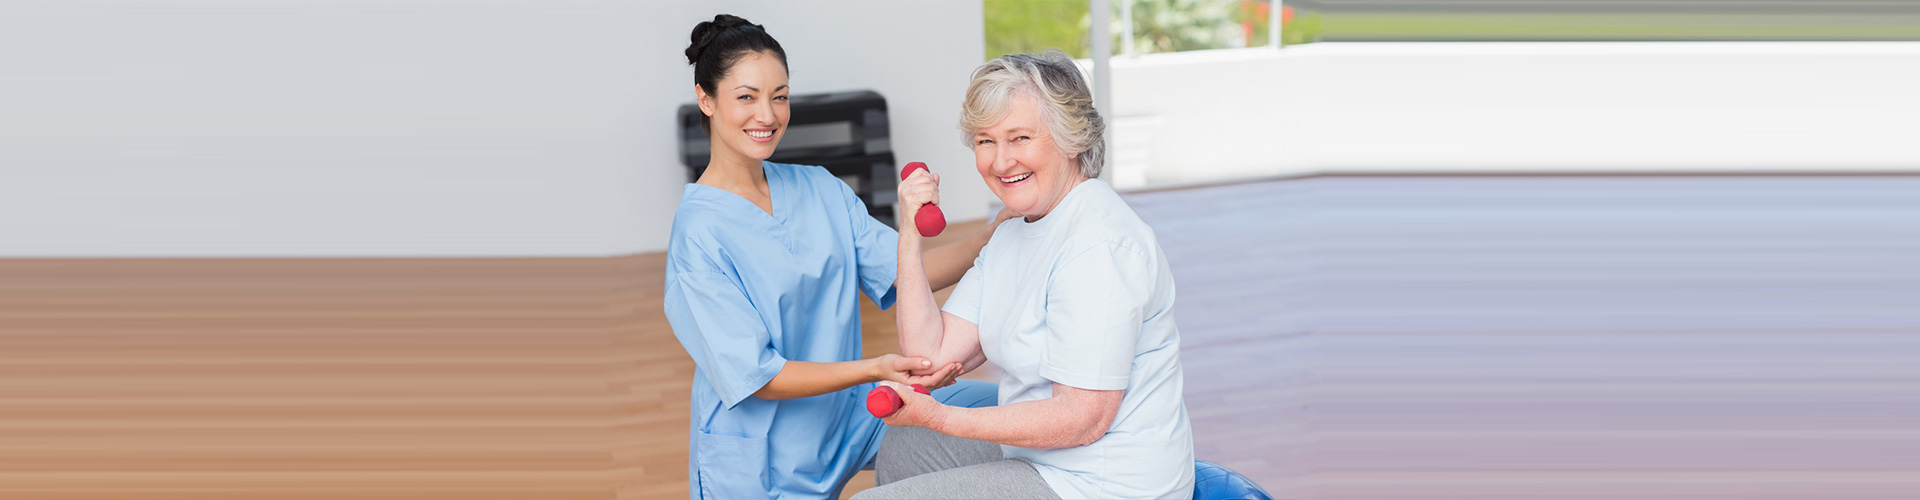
column 775, row 198
column 779, row 190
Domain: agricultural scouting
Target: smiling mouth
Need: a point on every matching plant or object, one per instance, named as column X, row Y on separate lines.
column 1016, row 178
column 760, row 134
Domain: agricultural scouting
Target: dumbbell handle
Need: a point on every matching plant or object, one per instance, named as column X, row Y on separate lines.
column 928, row 219
column 883, row 402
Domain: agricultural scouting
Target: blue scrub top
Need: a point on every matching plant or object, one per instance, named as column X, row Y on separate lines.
column 746, row 291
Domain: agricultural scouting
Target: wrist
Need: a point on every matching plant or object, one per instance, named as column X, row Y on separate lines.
column 937, row 419
column 873, row 371
column 909, row 234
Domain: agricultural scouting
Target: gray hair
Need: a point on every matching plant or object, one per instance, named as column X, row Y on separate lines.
column 1056, row 84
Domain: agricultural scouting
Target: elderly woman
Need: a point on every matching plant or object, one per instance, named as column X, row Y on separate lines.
column 1073, row 301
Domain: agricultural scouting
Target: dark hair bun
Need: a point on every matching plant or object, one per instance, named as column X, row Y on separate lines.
column 704, row 32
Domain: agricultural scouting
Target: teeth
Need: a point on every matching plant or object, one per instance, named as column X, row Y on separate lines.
column 762, row 134
column 1016, row 178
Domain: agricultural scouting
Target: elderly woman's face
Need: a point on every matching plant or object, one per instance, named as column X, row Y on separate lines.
column 1019, row 162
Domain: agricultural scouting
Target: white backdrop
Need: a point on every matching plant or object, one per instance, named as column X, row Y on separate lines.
column 410, row 128
column 1207, row 117
column 181, row 128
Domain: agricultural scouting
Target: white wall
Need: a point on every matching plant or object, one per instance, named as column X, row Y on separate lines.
column 409, row 128
column 1516, row 107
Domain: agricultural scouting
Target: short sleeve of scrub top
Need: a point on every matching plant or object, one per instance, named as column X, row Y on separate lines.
column 721, row 334
column 876, row 248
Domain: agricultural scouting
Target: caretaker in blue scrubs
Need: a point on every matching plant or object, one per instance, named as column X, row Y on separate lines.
column 761, row 278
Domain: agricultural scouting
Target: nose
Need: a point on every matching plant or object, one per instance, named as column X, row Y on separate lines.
column 1003, row 162
column 763, row 113
column 989, row 160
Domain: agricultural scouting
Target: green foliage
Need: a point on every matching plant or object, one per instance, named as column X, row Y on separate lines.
column 1621, row 26
column 1182, row 25
column 1305, row 27
column 1029, row 26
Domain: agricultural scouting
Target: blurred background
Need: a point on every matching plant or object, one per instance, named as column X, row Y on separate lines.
column 1480, row 249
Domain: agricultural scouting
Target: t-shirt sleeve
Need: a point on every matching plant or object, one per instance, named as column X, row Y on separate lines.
column 964, row 302
column 876, row 251
column 1095, row 303
column 721, row 330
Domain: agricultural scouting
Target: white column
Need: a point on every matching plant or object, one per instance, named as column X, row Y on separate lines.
column 1273, row 23
column 1102, row 71
column 1126, row 28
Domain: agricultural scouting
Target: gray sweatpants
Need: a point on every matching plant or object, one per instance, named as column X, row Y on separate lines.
column 915, row 463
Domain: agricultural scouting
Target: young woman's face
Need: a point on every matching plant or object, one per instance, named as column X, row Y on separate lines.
column 1018, row 160
column 748, row 111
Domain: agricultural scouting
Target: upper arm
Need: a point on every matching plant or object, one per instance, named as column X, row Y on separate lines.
column 960, row 318
column 964, row 303
column 959, row 341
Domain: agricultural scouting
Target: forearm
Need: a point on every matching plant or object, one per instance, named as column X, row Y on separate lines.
column 800, row 379
column 1045, row 424
column 916, row 316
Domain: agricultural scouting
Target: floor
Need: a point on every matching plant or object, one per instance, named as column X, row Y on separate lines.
column 1343, row 338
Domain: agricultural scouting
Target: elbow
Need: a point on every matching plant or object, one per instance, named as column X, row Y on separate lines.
column 1086, row 415
column 1077, row 438
column 1094, row 432
column 1086, row 431
column 1086, row 438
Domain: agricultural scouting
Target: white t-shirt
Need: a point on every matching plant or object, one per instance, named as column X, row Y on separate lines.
column 1084, row 297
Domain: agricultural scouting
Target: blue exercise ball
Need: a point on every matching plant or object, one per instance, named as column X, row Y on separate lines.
column 1212, row 481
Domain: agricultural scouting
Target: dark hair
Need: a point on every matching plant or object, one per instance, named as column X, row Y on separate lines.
column 719, row 43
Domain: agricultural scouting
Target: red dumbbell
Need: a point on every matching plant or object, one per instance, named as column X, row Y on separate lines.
column 883, row 402
column 929, row 219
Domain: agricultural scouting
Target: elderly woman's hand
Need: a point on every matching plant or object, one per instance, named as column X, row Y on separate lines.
column 917, row 410
column 917, row 190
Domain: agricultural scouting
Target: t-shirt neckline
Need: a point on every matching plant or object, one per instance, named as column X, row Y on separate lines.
column 1068, row 204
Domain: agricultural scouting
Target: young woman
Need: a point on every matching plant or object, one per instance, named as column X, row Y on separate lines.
column 762, row 272
column 1074, row 303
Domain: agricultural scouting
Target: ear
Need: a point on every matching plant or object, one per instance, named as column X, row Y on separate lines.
column 706, row 101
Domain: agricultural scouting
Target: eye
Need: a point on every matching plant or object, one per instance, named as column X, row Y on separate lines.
column 983, row 142
column 747, row 97
column 780, row 98
column 1022, row 139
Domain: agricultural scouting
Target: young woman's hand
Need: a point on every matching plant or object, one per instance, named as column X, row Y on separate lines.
column 897, row 368
column 937, row 378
